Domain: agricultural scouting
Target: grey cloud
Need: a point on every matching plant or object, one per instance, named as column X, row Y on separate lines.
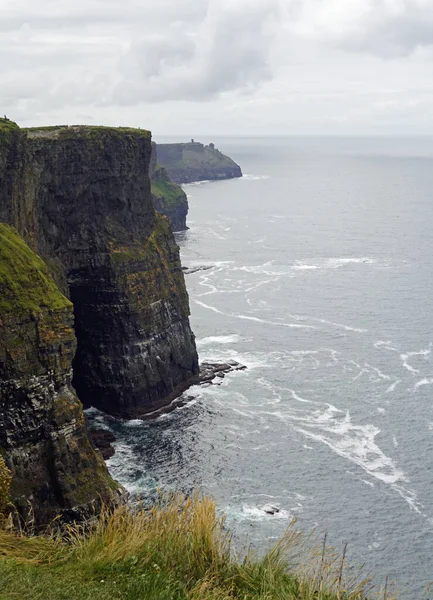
column 230, row 51
column 391, row 30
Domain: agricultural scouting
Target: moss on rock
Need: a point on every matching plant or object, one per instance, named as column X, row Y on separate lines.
column 26, row 286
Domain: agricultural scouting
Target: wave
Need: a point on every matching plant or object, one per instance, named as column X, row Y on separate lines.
column 218, row 339
column 298, row 266
column 251, row 177
column 251, row 318
column 334, row 263
column 256, row 513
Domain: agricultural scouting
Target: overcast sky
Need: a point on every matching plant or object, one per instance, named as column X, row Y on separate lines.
column 248, row 67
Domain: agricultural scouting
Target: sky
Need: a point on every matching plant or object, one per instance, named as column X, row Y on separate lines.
column 220, row 67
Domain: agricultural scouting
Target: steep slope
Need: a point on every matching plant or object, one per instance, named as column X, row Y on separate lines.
column 169, row 199
column 42, row 430
column 195, row 162
column 80, row 196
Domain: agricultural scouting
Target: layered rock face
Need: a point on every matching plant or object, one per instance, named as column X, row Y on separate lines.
column 81, row 197
column 195, row 162
column 43, row 436
column 169, row 199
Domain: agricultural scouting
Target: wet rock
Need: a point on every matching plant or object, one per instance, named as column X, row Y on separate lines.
column 210, row 371
column 190, row 270
column 102, row 439
column 271, row 510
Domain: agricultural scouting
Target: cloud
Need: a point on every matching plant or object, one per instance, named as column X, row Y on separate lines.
column 385, row 28
column 230, row 50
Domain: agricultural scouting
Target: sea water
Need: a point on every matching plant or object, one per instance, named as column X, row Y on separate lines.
column 318, row 277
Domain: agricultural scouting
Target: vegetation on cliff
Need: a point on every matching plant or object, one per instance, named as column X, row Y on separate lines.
column 178, row 550
column 43, row 435
column 169, row 198
column 168, row 193
column 65, row 132
column 26, row 286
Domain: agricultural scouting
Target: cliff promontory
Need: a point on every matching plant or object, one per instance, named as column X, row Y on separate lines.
column 55, row 469
column 81, row 198
column 169, row 199
column 195, row 162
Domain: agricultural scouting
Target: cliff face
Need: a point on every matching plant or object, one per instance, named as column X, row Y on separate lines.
column 169, row 199
column 195, row 162
column 42, row 430
column 80, row 196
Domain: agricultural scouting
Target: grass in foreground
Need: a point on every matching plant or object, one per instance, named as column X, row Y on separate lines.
column 178, row 550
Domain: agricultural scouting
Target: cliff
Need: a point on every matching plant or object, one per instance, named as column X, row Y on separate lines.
column 169, row 199
column 43, row 436
column 195, row 162
column 80, row 197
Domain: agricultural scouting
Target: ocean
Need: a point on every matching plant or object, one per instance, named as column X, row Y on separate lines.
column 316, row 273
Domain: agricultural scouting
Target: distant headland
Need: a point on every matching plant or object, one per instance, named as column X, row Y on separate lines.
column 193, row 161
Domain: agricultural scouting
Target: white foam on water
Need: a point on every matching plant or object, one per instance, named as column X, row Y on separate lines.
column 378, row 371
column 392, row 387
column 394, row 441
column 298, row 266
column 196, row 183
column 380, row 409
column 338, row 325
column 334, row 263
column 422, row 382
column 385, row 345
column 406, row 365
column 251, row 318
column 252, row 177
column 333, row 427
column 425, row 353
column 218, row 339
column 256, row 513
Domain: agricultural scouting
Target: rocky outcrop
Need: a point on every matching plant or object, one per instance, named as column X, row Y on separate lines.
column 80, row 197
column 43, row 436
column 195, row 162
column 169, row 199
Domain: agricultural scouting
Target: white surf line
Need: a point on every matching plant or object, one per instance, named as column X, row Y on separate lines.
column 384, row 346
column 392, row 387
column 250, row 318
column 406, row 365
column 425, row 381
column 406, row 356
column 358, row 453
column 378, row 371
column 326, row 322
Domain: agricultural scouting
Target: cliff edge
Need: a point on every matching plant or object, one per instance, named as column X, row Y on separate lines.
column 169, row 199
column 81, row 198
column 194, row 161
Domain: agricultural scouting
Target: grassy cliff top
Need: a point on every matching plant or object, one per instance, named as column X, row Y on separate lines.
column 26, row 285
column 178, row 550
column 87, row 131
column 165, row 190
column 7, row 125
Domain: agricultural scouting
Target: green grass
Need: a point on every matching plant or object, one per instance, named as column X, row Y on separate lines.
column 7, row 125
column 168, row 193
column 26, row 285
column 76, row 131
column 178, row 550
